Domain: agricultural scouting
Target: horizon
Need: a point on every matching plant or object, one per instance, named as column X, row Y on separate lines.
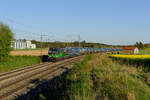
column 108, row 22
column 81, row 42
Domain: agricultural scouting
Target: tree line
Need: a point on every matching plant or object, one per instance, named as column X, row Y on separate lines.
column 69, row 44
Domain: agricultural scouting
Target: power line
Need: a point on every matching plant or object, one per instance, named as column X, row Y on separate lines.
column 37, row 33
column 11, row 20
column 41, row 38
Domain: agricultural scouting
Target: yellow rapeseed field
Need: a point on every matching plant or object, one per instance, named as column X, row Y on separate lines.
column 131, row 56
column 136, row 60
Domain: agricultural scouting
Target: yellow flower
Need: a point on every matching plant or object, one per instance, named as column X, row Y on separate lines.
column 131, row 56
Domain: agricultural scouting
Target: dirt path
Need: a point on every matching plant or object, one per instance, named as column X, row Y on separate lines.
column 29, row 52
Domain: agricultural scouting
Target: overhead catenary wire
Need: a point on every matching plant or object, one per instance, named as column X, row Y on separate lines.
column 21, row 33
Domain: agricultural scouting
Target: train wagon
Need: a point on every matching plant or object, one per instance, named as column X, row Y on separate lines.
column 72, row 51
column 86, row 50
column 75, row 51
column 91, row 50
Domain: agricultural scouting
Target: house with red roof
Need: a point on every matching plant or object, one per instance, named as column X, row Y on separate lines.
column 130, row 50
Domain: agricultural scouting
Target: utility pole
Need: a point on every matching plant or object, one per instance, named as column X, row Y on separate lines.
column 41, row 44
column 49, row 42
column 79, row 40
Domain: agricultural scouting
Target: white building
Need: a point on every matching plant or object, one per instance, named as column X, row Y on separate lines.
column 19, row 44
column 28, row 44
column 33, row 46
column 22, row 44
column 136, row 50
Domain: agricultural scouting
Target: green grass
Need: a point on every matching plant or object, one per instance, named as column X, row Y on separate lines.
column 15, row 62
column 144, row 52
column 99, row 77
column 146, row 48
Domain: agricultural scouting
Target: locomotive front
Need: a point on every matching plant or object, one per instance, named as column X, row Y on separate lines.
column 54, row 53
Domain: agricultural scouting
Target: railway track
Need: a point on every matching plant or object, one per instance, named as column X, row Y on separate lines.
column 20, row 81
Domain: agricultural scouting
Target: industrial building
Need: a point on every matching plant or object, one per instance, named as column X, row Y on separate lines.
column 23, row 44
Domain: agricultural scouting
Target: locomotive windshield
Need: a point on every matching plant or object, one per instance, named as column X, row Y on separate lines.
column 53, row 50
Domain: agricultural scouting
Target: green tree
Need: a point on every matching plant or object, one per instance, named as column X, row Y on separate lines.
column 139, row 45
column 6, row 38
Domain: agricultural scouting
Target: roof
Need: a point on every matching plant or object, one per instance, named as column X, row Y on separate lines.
column 129, row 48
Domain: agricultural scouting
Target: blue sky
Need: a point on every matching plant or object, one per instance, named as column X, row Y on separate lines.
column 103, row 21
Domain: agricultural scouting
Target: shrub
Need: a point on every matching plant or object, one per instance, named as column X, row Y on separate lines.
column 6, row 37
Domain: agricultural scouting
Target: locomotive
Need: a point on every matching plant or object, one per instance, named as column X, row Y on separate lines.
column 61, row 53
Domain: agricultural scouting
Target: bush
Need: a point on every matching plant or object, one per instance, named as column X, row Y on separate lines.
column 6, row 37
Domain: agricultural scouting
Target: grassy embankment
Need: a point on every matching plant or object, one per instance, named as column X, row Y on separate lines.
column 15, row 62
column 98, row 77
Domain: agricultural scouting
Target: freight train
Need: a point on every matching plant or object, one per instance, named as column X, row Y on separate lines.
column 61, row 53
